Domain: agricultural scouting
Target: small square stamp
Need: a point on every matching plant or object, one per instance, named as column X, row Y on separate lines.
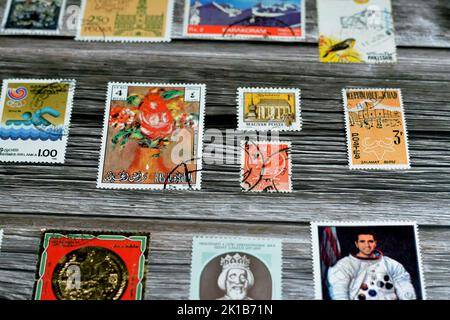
column 39, row 17
column 269, row 109
column 152, row 136
column 34, row 120
column 367, row 261
column 125, row 20
column 266, row 166
column 270, row 20
column 91, row 266
column 234, row 268
column 376, row 129
column 356, row 31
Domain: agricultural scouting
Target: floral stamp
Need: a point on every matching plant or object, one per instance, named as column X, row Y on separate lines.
column 225, row 268
column 152, row 136
column 125, row 20
column 276, row 109
column 40, row 17
column 34, row 120
column 367, row 261
column 356, row 31
column 266, row 166
column 91, row 266
column 376, row 129
column 245, row 19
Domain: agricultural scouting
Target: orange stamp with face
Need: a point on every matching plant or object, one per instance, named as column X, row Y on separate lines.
column 266, row 167
column 376, row 129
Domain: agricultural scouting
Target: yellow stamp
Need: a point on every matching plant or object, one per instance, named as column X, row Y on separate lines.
column 376, row 129
column 125, row 20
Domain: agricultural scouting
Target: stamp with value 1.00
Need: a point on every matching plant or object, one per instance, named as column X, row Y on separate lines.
column 125, row 20
column 35, row 117
column 91, row 266
column 264, row 109
column 225, row 268
column 356, row 31
column 376, row 129
column 152, row 136
column 367, row 261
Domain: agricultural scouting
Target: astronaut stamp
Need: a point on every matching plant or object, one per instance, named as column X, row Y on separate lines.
column 269, row 20
column 266, row 166
column 376, row 129
column 125, row 20
column 28, row 17
column 152, row 136
column 235, row 268
column 34, row 119
column 367, row 261
column 80, row 265
column 356, row 31
column 269, row 109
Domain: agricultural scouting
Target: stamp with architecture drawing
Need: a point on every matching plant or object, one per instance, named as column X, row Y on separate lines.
column 235, row 268
column 376, row 129
column 269, row 109
column 34, row 120
column 367, row 261
column 125, row 20
column 266, row 166
column 356, row 31
column 152, row 136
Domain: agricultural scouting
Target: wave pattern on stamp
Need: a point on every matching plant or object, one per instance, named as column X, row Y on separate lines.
column 35, row 116
column 91, row 266
column 354, row 31
column 152, row 136
column 126, row 20
column 225, row 268
column 245, row 19
column 266, row 167
column 376, row 129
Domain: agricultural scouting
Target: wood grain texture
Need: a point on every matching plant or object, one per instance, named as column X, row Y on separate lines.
column 36, row 196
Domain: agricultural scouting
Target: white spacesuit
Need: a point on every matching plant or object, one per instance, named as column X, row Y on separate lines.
column 380, row 278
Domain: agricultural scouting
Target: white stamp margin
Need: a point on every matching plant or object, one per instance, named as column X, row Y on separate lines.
column 199, row 158
column 314, row 225
column 349, row 142
column 296, row 125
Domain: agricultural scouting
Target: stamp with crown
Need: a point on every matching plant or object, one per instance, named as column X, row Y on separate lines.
column 225, row 268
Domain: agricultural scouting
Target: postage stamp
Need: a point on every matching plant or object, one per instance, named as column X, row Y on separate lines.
column 1, row 238
column 40, row 17
column 264, row 109
column 367, row 261
column 152, row 136
column 376, row 129
column 234, row 268
column 266, row 166
column 271, row 20
column 356, row 31
column 35, row 118
column 91, row 266
column 125, row 20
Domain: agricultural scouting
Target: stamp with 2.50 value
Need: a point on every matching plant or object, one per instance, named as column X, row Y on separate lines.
column 376, row 129
column 34, row 120
column 235, row 268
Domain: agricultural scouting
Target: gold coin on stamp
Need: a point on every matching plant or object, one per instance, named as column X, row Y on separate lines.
column 90, row 273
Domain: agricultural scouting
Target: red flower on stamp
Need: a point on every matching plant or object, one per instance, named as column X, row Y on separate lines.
column 155, row 118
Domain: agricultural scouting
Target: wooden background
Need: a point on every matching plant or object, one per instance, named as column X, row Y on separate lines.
column 37, row 196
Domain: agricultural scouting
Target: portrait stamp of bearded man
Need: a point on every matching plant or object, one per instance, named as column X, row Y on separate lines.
column 226, row 268
column 367, row 261
column 152, row 136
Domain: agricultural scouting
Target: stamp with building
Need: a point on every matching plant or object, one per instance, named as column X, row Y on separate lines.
column 34, row 120
column 235, row 268
column 125, row 20
column 376, row 129
column 152, row 136
column 367, row 261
